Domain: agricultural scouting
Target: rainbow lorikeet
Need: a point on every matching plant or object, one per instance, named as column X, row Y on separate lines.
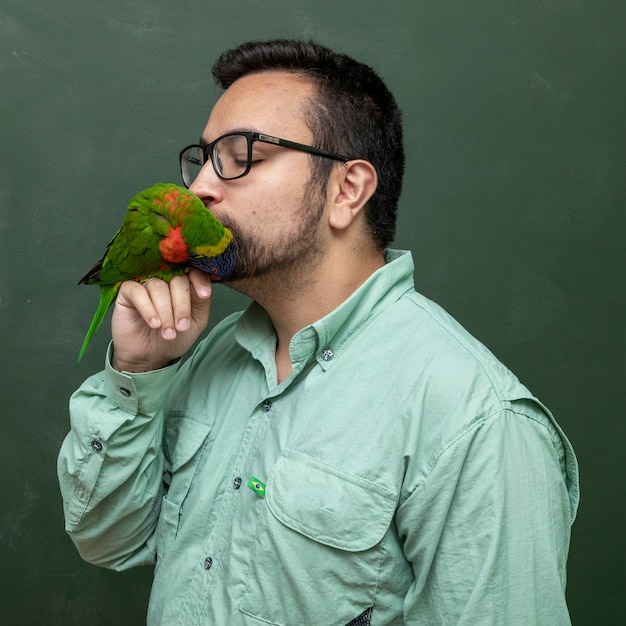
column 167, row 229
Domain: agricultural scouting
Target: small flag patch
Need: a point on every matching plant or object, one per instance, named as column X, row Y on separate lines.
column 257, row 486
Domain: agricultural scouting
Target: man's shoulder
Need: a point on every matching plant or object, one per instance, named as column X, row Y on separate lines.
column 432, row 342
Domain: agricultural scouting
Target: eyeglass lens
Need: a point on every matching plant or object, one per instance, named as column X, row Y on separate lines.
column 230, row 158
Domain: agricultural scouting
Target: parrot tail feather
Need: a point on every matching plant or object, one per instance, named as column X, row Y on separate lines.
column 108, row 293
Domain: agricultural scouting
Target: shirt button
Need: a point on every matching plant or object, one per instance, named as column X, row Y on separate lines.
column 266, row 406
column 125, row 392
column 96, row 445
column 327, row 354
column 237, row 482
column 208, row 562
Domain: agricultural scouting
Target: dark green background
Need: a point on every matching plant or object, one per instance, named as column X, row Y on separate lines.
column 514, row 207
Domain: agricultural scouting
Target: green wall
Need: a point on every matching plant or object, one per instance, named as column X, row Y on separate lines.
column 514, row 207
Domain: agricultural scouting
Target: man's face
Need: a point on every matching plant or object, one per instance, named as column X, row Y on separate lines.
column 274, row 212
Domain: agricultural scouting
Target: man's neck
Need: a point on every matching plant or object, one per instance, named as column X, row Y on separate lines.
column 308, row 295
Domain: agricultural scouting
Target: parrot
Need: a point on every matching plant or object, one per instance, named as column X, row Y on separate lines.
column 166, row 230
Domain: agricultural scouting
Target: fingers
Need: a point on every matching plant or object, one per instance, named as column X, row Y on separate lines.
column 201, row 296
column 201, row 284
column 135, row 297
column 178, row 315
column 189, row 295
column 171, row 306
column 168, row 301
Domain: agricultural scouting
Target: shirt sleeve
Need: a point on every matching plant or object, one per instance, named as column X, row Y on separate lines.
column 110, row 466
column 488, row 530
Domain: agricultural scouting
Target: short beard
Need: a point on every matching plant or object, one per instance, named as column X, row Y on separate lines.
column 280, row 267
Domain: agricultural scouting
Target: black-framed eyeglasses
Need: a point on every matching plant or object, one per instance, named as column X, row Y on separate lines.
column 231, row 154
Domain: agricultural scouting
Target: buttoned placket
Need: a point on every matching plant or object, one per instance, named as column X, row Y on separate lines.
column 220, row 535
column 235, row 528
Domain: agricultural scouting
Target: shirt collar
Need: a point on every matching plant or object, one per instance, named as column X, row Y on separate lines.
column 323, row 339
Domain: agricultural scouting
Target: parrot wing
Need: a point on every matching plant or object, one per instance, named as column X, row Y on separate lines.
column 133, row 252
column 92, row 277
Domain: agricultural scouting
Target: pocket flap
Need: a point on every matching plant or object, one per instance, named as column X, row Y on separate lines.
column 326, row 504
column 183, row 438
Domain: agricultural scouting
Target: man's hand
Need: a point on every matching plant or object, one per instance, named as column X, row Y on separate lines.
column 157, row 322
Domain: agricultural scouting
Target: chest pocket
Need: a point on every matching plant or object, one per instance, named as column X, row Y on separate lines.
column 318, row 544
column 184, row 443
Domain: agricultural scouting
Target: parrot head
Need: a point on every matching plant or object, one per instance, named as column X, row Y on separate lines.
column 219, row 266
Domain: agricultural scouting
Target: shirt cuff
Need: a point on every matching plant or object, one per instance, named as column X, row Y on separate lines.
column 137, row 393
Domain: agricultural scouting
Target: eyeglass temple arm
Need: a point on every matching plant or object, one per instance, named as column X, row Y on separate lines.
column 300, row 146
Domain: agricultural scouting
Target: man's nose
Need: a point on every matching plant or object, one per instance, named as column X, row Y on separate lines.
column 208, row 186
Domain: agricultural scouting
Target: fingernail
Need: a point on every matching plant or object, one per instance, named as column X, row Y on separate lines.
column 169, row 333
column 183, row 324
column 155, row 322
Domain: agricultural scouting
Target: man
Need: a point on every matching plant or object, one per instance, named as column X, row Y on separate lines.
column 343, row 452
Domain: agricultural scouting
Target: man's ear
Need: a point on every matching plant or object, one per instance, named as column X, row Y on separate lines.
column 352, row 185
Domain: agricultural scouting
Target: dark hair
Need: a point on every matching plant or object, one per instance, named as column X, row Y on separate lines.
column 354, row 114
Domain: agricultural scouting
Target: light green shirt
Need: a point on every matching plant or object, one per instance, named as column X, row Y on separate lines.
column 401, row 474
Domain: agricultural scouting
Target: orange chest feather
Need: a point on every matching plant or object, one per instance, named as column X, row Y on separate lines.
column 173, row 247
